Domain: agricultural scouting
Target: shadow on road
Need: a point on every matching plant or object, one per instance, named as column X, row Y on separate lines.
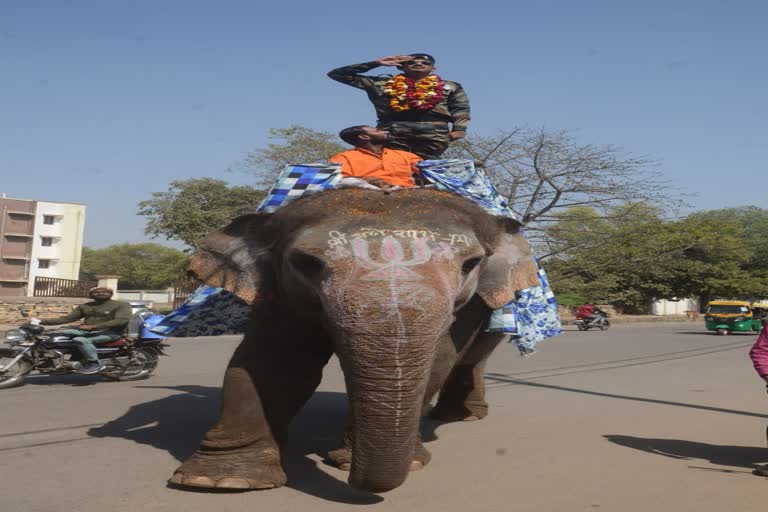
column 67, row 380
column 722, row 455
column 713, row 334
column 508, row 380
column 177, row 423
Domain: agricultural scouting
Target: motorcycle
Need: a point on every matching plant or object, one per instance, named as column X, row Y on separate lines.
column 32, row 349
column 599, row 322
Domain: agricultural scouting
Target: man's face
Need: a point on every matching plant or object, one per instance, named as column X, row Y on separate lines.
column 417, row 66
column 376, row 135
column 101, row 295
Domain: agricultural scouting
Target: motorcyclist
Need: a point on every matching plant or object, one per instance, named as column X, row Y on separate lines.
column 586, row 312
column 104, row 320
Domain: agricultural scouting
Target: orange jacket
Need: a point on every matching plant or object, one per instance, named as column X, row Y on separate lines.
column 394, row 166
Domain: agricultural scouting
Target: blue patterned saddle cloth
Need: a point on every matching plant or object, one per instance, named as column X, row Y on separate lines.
column 529, row 318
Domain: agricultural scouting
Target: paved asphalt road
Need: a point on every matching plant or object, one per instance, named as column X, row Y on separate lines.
column 658, row 417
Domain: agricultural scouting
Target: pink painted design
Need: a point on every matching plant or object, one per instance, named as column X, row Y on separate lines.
column 393, row 266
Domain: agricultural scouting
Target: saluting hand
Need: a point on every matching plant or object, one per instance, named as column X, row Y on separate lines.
column 394, row 60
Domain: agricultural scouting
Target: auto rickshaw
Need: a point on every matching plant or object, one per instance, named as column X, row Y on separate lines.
column 759, row 314
column 726, row 316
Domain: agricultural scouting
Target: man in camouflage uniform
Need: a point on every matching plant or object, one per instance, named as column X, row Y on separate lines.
column 426, row 133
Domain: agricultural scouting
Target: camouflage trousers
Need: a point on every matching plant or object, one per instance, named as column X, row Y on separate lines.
column 427, row 140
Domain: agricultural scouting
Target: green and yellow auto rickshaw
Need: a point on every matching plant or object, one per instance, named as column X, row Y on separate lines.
column 759, row 314
column 726, row 316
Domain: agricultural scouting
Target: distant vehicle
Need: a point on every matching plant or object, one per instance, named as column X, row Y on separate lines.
column 599, row 322
column 760, row 312
column 727, row 316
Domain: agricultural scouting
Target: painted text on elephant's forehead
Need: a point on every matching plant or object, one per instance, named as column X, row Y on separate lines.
column 340, row 238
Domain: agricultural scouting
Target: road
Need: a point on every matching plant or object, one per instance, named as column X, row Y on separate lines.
column 643, row 417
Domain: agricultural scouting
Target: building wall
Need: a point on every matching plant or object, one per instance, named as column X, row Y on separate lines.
column 665, row 307
column 17, row 217
column 66, row 237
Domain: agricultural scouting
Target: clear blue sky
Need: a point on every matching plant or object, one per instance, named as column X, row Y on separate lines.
column 103, row 102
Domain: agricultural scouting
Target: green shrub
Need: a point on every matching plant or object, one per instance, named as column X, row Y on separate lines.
column 570, row 300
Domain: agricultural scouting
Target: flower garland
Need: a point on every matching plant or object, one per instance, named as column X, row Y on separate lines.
column 406, row 93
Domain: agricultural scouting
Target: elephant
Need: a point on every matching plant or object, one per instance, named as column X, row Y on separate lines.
column 399, row 285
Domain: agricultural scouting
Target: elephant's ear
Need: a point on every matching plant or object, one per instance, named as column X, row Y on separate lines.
column 510, row 268
column 229, row 257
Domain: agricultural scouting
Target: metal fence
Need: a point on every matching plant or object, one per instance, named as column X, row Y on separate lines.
column 183, row 289
column 55, row 287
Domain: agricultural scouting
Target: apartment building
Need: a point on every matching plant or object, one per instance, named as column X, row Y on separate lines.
column 38, row 238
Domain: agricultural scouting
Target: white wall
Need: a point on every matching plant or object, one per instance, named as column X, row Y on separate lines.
column 157, row 296
column 674, row 307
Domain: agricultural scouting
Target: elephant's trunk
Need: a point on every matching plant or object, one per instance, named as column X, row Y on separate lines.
column 386, row 394
column 386, row 339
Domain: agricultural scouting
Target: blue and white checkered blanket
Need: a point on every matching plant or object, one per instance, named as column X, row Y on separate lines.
column 530, row 318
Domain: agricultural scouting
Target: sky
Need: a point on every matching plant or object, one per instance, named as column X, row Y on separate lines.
column 104, row 102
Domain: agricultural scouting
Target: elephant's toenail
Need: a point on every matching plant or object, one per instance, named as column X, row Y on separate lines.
column 416, row 465
column 198, row 481
column 233, row 483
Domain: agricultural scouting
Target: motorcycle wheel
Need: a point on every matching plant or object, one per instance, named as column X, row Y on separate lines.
column 141, row 368
column 605, row 325
column 16, row 374
column 582, row 326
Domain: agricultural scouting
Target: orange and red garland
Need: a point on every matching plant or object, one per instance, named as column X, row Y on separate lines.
column 406, row 93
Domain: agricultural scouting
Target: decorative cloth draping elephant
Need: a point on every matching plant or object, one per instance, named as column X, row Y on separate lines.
column 399, row 285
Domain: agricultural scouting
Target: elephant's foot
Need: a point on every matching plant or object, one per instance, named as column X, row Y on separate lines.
column 463, row 412
column 256, row 466
column 342, row 457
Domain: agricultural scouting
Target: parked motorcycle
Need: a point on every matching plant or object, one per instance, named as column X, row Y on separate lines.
column 599, row 322
column 51, row 353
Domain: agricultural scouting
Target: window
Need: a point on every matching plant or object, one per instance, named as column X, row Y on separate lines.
column 48, row 219
column 43, row 263
column 47, row 241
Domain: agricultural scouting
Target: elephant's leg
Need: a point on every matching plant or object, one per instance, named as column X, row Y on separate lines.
column 268, row 380
column 462, row 397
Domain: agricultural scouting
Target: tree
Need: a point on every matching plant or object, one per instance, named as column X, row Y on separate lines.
column 641, row 257
column 752, row 226
column 542, row 173
column 140, row 266
column 298, row 145
column 192, row 208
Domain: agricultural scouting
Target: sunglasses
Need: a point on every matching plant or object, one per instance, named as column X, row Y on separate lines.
column 417, row 61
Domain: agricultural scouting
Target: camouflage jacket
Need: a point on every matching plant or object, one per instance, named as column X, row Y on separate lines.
column 453, row 108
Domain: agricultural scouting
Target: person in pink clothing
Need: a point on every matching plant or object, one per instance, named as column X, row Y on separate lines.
column 759, row 353
column 759, row 356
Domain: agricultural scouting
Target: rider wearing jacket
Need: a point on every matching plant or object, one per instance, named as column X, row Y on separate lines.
column 585, row 312
column 104, row 320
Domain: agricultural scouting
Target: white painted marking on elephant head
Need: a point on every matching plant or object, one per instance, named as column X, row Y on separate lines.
column 393, row 265
column 443, row 252
column 338, row 253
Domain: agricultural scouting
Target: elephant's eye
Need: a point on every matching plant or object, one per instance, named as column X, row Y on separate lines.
column 307, row 264
column 470, row 264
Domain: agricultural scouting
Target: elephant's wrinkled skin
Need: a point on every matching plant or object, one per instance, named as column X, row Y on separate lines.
column 397, row 285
